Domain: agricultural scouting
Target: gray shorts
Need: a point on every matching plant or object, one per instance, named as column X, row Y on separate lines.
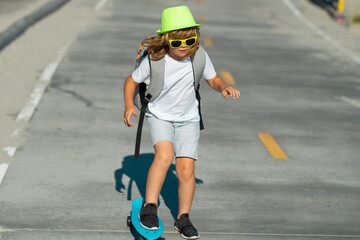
column 184, row 135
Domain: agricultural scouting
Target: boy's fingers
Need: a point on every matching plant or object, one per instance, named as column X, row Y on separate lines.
column 127, row 119
column 234, row 93
column 128, row 123
column 231, row 93
column 135, row 113
column 224, row 94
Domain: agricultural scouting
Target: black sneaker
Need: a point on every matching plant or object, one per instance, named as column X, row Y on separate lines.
column 148, row 216
column 185, row 227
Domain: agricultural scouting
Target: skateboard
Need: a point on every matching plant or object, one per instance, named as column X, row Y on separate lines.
column 134, row 221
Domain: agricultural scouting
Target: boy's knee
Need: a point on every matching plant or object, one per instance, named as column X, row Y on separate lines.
column 185, row 171
column 164, row 159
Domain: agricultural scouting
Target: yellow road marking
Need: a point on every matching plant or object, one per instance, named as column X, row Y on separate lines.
column 272, row 146
column 208, row 42
column 228, row 78
column 341, row 6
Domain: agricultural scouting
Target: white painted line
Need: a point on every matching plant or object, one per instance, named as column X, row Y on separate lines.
column 294, row 10
column 10, row 151
column 26, row 112
column 354, row 102
column 63, row 50
column 322, row 34
column 48, row 72
column 16, row 133
column 100, row 5
column 3, row 168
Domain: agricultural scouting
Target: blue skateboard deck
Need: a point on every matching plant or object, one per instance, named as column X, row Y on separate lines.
column 135, row 221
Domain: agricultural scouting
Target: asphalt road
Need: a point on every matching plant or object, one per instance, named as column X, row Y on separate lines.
column 74, row 177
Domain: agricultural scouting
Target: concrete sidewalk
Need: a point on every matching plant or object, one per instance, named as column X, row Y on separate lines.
column 11, row 11
column 8, row 35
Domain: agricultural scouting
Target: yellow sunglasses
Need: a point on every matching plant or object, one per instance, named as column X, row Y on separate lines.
column 176, row 43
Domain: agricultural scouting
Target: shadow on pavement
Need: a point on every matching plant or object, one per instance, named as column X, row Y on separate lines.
column 137, row 169
column 328, row 5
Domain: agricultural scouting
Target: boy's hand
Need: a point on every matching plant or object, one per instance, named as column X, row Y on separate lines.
column 234, row 93
column 129, row 111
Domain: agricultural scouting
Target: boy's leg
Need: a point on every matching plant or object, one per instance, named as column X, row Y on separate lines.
column 164, row 155
column 186, row 150
column 185, row 170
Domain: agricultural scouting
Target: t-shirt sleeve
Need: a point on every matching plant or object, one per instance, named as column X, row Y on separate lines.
column 142, row 73
column 209, row 71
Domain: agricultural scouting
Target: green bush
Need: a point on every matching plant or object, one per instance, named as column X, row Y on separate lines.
column 356, row 19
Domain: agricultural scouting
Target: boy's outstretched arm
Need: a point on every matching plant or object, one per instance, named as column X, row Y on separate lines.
column 130, row 110
column 219, row 85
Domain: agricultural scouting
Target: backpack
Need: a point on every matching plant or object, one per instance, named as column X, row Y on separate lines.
column 143, row 94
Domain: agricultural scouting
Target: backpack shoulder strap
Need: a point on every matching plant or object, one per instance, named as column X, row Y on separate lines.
column 157, row 71
column 198, row 64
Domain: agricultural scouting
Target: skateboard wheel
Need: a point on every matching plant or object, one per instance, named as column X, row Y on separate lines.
column 128, row 221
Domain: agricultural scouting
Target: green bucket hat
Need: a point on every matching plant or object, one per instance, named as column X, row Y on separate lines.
column 175, row 18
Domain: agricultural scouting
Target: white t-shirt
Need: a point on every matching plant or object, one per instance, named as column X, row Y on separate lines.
column 177, row 100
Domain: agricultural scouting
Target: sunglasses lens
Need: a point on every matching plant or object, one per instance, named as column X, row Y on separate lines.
column 190, row 41
column 176, row 44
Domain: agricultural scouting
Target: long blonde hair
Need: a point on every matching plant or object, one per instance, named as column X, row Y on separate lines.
column 158, row 46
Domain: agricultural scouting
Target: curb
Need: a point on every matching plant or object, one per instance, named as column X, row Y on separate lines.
column 20, row 26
